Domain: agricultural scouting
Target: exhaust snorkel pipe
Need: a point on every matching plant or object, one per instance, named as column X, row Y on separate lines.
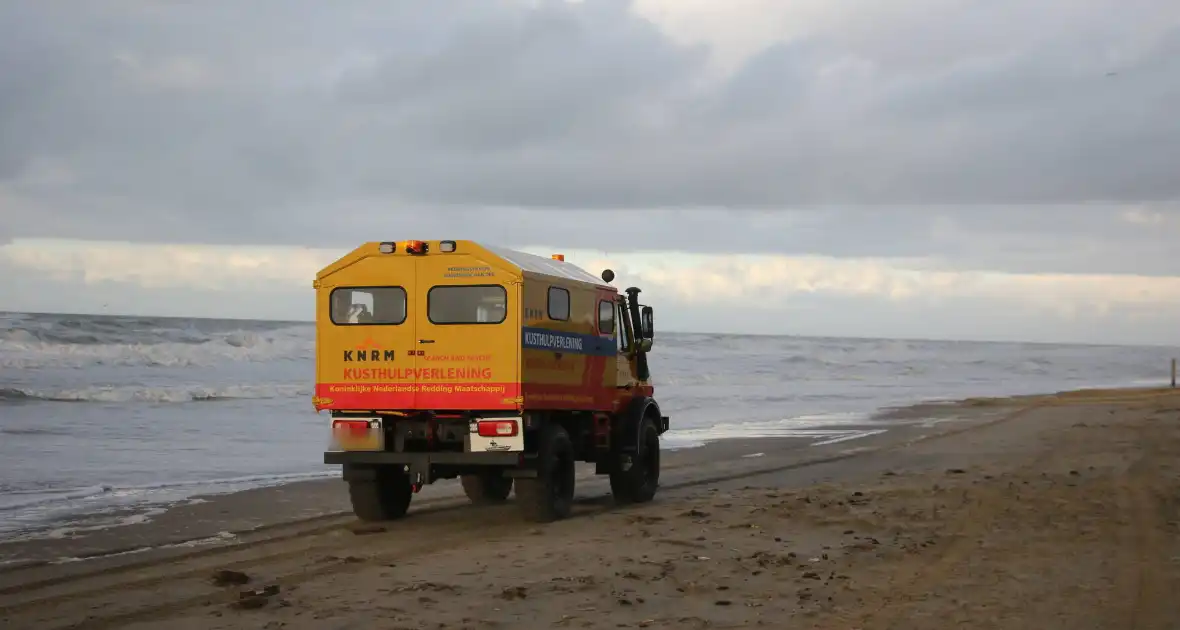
column 643, row 372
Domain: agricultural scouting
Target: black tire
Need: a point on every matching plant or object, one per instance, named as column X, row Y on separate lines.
column 384, row 498
column 550, row 496
column 487, row 487
column 639, row 482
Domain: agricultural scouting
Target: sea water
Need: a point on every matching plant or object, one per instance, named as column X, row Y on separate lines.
column 129, row 414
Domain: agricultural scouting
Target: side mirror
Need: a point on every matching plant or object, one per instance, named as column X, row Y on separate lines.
column 647, row 323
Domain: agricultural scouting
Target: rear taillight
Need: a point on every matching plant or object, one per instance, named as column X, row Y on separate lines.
column 497, row 428
column 353, row 426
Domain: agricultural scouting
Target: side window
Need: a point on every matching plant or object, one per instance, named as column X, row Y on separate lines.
column 367, row 305
column 606, row 317
column 559, row 304
column 472, row 304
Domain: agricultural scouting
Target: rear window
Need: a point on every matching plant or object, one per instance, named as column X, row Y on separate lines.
column 368, row 305
column 471, row 304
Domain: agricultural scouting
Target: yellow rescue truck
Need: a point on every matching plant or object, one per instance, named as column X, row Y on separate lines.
column 445, row 359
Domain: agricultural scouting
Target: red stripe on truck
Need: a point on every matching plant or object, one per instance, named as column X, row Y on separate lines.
column 471, row 396
column 396, row 396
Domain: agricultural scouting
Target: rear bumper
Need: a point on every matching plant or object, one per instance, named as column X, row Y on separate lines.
column 360, row 465
column 421, row 459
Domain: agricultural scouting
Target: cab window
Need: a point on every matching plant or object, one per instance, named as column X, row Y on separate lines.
column 367, row 305
column 624, row 336
column 606, row 317
column 469, row 304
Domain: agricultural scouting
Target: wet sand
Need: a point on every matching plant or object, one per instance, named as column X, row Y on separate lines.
column 1033, row 512
column 218, row 520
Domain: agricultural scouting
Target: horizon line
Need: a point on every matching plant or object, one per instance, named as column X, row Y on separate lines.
column 311, row 322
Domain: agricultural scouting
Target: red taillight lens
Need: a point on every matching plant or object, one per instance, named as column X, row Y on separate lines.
column 497, row 428
column 351, row 426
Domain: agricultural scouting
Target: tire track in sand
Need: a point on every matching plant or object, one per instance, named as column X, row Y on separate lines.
column 1142, row 583
column 967, row 533
column 1143, row 580
column 441, row 535
column 920, row 576
column 291, row 578
column 254, row 538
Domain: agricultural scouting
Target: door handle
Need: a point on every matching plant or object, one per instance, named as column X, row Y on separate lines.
column 425, row 341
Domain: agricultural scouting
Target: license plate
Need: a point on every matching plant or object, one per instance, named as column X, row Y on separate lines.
column 358, row 434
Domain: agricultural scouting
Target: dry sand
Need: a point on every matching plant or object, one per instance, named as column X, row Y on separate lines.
column 1036, row 512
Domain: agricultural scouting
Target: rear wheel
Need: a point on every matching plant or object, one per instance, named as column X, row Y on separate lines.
column 383, row 498
column 550, row 495
column 487, row 487
column 638, row 481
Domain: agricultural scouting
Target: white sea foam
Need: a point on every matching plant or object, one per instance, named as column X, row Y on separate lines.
column 94, row 508
column 850, row 435
column 220, row 539
column 164, row 394
column 91, row 493
column 19, row 351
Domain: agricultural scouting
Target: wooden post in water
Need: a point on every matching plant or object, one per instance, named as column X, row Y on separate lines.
column 1173, row 373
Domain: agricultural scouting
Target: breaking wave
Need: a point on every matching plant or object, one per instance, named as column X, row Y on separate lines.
column 77, row 342
column 173, row 394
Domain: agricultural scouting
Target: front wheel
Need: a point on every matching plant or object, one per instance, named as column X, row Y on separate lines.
column 638, row 481
column 550, row 495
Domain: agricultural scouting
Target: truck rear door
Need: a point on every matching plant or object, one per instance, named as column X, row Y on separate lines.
column 468, row 328
column 364, row 351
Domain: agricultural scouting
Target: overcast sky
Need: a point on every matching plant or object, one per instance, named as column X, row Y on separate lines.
column 950, row 168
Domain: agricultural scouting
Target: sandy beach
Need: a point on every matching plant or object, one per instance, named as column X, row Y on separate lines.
column 1032, row 512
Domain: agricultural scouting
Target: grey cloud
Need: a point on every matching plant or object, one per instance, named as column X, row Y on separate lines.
column 298, row 122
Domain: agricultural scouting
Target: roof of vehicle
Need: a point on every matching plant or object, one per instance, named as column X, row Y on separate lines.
column 527, row 263
column 546, row 266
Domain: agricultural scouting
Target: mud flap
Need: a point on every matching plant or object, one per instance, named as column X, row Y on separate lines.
column 627, row 438
column 418, row 471
column 614, row 462
column 354, row 472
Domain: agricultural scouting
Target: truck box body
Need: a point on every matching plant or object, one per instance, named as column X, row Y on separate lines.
column 475, row 329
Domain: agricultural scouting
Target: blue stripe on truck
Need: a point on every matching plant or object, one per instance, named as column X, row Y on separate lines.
column 566, row 342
